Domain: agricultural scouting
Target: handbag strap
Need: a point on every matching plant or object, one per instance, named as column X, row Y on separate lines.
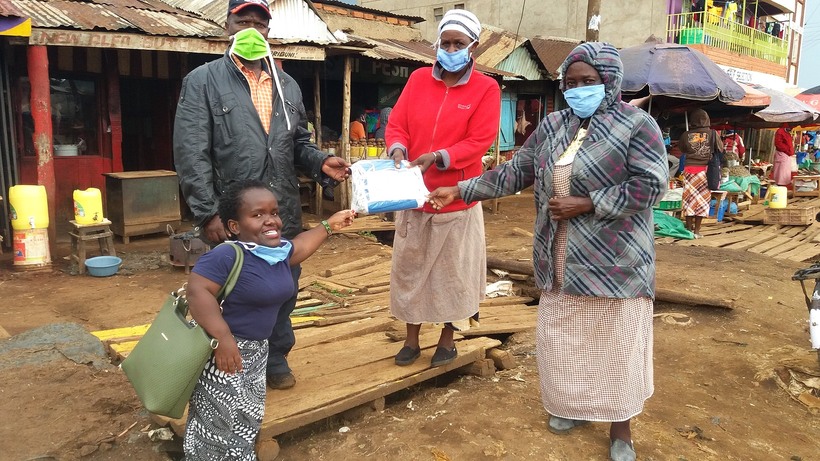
column 233, row 276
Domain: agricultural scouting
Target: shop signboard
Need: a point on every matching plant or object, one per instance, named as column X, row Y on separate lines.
column 125, row 41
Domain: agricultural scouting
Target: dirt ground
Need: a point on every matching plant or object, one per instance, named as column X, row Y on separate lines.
column 715, row 394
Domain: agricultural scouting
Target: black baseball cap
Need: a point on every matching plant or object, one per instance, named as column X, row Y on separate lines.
column 234, row 6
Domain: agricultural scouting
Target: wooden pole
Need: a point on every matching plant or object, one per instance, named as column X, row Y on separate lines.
column 317, row 104
column 43, row 135
column 494, row 203
column 593, row 20
column 344, row 143
column 317, row 127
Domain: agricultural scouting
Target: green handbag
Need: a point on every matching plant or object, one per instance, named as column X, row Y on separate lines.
column 166, row 363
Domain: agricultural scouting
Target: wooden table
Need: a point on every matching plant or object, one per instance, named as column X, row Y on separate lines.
column 809, row 193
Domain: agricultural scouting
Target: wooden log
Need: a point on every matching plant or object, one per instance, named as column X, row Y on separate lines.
column 377, row 289
column 309, row 302
column 503, row 360
column 267, row 449
column 348, row 317
column 332, row 286
column 521, row 232
column 4, row 333
column 353, row 265
column 518, row 267
column 692, row 299
column 504, row 301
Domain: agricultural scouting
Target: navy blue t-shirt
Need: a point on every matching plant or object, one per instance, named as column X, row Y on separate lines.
column 251, row 309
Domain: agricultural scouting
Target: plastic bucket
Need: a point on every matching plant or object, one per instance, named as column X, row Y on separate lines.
column 31, row 248
column 88, row 206
column 29, row 207
column 777, row 197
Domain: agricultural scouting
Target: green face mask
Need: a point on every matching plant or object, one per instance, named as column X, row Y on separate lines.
column 249, row 44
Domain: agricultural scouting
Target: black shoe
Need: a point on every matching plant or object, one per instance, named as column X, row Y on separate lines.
column 281, row 381
column 443, row 356
column 407, row 355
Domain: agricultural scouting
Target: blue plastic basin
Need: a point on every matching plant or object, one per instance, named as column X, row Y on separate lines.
column 103, row 266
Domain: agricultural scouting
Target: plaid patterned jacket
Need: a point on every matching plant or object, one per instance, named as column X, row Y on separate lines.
column 621, row 166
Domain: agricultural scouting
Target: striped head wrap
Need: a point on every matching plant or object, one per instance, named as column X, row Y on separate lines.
column 462, row 21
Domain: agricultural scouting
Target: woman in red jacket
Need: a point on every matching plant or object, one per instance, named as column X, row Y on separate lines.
column 444, row 121
column 784, row 151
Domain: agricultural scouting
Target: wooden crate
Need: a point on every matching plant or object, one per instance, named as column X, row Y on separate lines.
column 790, row 216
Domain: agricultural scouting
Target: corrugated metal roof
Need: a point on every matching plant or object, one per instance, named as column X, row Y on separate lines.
column 115, row 16
column 521, row 62
column 7, row 8
column 494, row 45
column 293, row 20
column 296, row 20
column 352, row 7
column 552, row 51
column 393, row 49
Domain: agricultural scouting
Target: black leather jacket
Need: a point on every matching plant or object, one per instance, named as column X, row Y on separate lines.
column 219, row 139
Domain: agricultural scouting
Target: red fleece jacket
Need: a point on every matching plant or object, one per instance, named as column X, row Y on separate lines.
column 783, row 141
column 460, row 121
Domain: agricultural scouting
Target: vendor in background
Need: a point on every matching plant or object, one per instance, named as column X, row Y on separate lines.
column 784, row 151
column 733, row 143
column 384, row 117
column 697, row 144
column 358, row 127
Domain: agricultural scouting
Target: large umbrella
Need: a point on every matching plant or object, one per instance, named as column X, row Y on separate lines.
column 811, row 97
column 675, row 71
column 785, row 109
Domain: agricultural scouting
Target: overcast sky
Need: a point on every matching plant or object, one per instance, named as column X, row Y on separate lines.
column 809, row 75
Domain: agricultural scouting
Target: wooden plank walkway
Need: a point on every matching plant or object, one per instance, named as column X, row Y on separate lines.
column 346, row 341
column 747, row 232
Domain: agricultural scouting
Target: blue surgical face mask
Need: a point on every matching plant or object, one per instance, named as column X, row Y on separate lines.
column 585, row 100
column 270, row 254
column 455, row 61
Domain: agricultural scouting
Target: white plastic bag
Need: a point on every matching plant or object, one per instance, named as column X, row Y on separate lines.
column 379, row 187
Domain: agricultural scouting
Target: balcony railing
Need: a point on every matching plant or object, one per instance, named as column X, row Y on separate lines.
column 716, row 31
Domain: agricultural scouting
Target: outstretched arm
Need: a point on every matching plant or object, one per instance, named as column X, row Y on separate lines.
column 306, row 243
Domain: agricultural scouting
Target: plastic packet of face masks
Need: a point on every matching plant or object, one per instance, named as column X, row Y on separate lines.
column 379, row 187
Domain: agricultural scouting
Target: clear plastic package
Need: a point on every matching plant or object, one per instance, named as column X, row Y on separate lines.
column 379, row 187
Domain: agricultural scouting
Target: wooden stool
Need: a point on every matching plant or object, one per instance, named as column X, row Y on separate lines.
column 733, row 197
column 85, row 232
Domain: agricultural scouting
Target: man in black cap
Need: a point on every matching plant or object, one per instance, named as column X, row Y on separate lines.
column 239, row 117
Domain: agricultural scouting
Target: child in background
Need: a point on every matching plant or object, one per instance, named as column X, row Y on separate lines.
column 228, row 402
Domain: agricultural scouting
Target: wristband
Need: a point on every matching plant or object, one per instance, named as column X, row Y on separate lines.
column 327, row 227
column 435, row 157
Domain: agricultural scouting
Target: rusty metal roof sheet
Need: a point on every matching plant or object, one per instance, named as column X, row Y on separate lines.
column 117, row 15
column 7, row 8
column 352, row 7
column 552, row 51
column 293, row 20
column 495, row 44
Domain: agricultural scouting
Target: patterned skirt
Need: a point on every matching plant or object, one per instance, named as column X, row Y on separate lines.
column 594, row 354
column 226, row 411
column 439, row 272
column 696, row 194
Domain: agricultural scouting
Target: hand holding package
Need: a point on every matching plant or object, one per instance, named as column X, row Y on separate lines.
column 380, row 187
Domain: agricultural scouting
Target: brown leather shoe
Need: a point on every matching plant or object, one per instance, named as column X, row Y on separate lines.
column 281, row 381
